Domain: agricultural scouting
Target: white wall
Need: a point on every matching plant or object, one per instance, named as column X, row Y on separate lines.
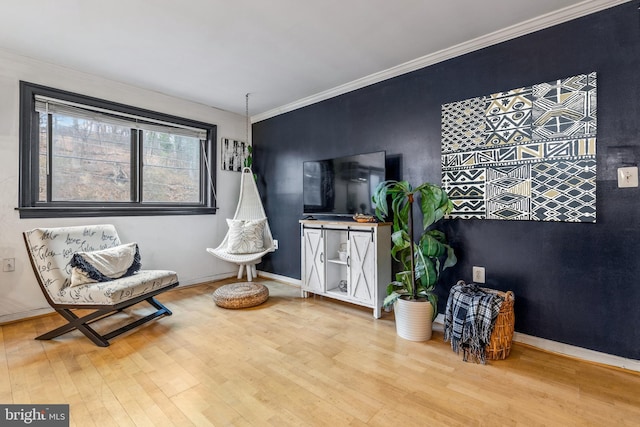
column 166, row 242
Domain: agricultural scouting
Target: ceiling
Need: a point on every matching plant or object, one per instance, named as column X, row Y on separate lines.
column 285, row 53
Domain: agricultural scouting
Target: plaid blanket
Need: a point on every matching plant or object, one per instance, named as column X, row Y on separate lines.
column 469, row 318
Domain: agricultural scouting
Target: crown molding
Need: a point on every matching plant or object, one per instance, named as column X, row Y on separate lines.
column 544, row 21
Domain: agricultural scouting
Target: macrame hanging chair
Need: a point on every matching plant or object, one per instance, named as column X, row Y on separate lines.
column 249, row 209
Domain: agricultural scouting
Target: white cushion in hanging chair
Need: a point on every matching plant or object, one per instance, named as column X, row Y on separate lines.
column 246, row 236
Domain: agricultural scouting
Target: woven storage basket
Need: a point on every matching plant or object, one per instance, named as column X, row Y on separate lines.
column 500, row 345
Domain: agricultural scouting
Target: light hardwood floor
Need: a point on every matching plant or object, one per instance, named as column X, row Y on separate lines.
column 294, row 361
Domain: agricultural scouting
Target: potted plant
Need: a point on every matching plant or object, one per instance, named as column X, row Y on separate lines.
column 248, row 160
column 411, row 293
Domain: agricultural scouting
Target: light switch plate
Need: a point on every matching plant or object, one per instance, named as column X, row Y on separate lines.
column 628, row 177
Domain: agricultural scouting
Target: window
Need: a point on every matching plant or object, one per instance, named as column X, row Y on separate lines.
column 82, row 156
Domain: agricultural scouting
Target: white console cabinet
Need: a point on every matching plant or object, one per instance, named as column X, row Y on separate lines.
column 361, row 277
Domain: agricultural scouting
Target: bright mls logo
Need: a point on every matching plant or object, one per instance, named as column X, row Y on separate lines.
column 34, row 415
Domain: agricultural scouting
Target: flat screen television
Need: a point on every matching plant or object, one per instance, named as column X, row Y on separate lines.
column 342, row 186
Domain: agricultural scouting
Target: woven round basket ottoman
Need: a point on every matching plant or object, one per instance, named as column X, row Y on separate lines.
column 241, row 295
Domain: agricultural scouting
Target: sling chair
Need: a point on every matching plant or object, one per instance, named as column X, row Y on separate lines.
column 67, row 287
column 249, row 236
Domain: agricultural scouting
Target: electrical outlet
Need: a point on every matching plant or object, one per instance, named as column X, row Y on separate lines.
column 8, row 264
column 275, row 243
column 478, row 274
column 628, row 177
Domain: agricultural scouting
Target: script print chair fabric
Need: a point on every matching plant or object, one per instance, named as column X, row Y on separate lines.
column 51, row 250
column 249, row 210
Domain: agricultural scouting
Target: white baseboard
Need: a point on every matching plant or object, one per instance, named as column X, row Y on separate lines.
column 205, row 279
column 563, row 349
column 14, row 317
column 279, row 278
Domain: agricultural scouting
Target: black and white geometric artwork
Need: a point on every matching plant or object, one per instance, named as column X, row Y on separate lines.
column 233, row 154
column 524, row 154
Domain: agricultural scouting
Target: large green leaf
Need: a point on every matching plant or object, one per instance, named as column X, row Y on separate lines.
column 431, row 246
column 427, row 206
column 402, row 284
column 438, row 235
column 433, row 299
column 400, row 240
column 426, row 272
column 379, row 198
column 390, row 299
column 395, row 189
column 451, row 258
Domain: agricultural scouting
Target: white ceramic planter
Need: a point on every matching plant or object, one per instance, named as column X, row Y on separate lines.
column 414, row 319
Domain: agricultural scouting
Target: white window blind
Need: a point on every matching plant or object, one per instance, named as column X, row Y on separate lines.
column 57, row 106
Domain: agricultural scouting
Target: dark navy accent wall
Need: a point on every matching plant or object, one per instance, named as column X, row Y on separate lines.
column 574, row 283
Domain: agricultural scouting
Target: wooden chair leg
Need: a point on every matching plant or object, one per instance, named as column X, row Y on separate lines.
column 249, row 275
column 240, row 271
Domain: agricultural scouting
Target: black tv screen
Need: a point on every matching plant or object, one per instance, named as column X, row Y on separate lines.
column 342, row 186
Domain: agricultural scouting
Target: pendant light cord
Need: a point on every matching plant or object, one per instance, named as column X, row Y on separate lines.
column 246, row 112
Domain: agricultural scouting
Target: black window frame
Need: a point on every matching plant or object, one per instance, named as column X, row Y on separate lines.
column 30, row 207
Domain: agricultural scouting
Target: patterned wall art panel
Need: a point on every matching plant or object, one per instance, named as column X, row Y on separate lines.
column 523, row 154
